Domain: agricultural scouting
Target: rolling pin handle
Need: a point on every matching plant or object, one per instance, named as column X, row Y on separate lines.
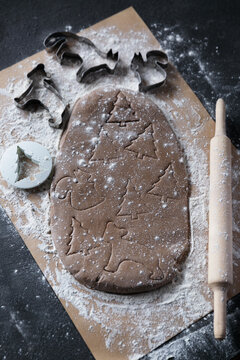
column 220, row 299
column 220, row 128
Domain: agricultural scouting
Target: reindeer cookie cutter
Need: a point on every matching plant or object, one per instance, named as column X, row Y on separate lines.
column 33, row 97
column 63, row 43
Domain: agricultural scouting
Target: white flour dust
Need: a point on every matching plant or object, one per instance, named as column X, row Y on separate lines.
column 186, row 293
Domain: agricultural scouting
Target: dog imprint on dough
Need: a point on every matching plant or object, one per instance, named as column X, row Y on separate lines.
column 123, row 250
column 128, row 197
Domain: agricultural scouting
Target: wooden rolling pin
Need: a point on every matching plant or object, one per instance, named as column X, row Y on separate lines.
column 220, row 220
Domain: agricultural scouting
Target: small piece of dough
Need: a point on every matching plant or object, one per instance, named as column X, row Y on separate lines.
column 119, row 197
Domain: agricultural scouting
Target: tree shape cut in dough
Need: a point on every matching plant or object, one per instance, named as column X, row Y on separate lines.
column 105, row 148
column 122, row 112
column 133, row 203
column 166, row 186
column 26, row 167
column 81, row 240
column 144, row 144
column 83, row 193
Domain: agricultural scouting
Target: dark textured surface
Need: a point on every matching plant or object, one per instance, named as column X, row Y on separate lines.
column 33, row 324
column 198, row 343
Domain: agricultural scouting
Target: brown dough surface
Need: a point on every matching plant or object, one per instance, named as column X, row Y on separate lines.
column 119, row 197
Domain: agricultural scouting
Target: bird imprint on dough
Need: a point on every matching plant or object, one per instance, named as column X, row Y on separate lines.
column 114, row 215
column 83, row 193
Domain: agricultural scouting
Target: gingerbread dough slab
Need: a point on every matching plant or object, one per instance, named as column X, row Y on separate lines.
column 119, row 198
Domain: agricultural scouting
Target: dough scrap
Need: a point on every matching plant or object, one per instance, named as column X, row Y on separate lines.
column 119, row 197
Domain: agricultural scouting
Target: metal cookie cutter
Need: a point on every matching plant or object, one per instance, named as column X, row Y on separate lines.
column 67, row 47
column 19, row 161
column 152, row 68
column 43, row 93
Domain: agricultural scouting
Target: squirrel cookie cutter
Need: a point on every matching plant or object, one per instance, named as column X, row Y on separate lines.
column 155, row 59
column 32, row 154
column 35, row 96
column 62, row 43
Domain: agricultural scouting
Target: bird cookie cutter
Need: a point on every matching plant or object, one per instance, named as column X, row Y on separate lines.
column 155, row 59
column 63, row 44
column 37, row 95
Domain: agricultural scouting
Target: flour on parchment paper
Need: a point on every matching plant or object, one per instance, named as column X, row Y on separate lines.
column 35, row 221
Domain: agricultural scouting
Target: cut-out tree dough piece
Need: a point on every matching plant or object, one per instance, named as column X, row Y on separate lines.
column 166, row 187
column 80, row 241
column 133, row 203
column 105, row 148
column 122, row 112
column 144, row 144
column 109, row 223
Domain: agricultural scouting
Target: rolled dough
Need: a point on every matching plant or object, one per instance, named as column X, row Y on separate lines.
column 119, row 197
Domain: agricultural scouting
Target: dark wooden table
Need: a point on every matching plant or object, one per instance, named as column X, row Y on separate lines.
column 202, row 40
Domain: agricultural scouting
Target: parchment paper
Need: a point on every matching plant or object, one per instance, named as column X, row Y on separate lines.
column 175, row 90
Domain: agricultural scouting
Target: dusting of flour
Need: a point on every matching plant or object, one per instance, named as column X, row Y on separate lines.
column 186, row 298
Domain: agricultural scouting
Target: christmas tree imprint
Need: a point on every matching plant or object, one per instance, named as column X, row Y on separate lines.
column 81, row 241
column 122, row 112
column 144, row 144
column 105, row 148
column 25, row 166
column 166, row 187
column 83, row 193
column 133, row 204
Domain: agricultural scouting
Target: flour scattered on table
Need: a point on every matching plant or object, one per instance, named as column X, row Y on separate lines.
column 186, row 298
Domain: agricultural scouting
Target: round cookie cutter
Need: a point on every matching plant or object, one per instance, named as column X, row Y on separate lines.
column 10, row 164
